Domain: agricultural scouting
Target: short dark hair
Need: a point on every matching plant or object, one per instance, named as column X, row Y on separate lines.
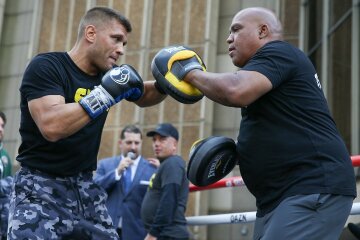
column 103, row 14
column 3, row 116
column 130, row 129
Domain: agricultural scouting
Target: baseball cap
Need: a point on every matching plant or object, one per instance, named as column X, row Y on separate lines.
column 165, row 130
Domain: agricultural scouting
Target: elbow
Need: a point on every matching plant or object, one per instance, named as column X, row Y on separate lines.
column 50, row 133
column 245, row 102
column 236, row 99
column 141, row 104
column 50, row 137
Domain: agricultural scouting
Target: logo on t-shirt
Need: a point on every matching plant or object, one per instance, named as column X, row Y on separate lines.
column 80, row 93
column 151, row 180
column 317, row 80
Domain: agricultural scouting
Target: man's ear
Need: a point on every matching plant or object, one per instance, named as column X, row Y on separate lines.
column 90, row 33
column 263, row 31
column 175, row 145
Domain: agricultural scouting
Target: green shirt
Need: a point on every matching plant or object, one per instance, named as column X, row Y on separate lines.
column 5, row 163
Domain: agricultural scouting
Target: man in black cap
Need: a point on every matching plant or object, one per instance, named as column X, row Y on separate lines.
column 164, row 204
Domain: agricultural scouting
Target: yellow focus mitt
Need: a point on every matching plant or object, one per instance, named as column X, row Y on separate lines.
column 169, row 67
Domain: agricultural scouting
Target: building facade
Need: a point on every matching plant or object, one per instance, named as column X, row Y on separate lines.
column 327, row 30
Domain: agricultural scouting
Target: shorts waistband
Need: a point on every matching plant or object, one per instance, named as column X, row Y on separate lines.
column 83, row 175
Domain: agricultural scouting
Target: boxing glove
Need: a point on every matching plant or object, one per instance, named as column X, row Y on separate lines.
column 169, row 67
column 118, row 83
column 136, row 84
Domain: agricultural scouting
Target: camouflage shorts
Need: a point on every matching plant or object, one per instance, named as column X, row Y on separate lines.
column 5, row 190
column 49, row 207
column 4, row 213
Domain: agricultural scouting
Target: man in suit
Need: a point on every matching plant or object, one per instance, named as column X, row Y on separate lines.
column 129, row 170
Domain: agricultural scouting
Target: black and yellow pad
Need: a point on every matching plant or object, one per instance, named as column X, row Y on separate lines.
column 170, row 65
column 211, row 159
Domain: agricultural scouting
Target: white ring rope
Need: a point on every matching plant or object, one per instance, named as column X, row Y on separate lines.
column 244, row 217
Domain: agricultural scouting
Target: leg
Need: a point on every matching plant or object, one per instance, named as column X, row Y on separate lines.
column 354, row 229
column 4, row 214
column 96, row 218
column 45, row 207
column 41, row 207
column 315, row 216
column 5, row 191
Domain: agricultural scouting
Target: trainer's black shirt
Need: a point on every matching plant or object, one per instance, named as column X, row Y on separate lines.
column 164, row 205
column 288, row 143
column 56, row 74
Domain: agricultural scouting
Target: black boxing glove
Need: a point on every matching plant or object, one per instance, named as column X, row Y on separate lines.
column 136, row 83
column 118, row 83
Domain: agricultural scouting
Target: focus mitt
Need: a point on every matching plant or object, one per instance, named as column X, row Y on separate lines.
column 169, row 67
column 211, row 159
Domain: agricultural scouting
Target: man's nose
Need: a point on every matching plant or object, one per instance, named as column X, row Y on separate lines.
column 133, row 146
column 120, row 49
column 230, row 39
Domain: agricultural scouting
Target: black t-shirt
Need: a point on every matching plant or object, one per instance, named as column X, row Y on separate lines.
column 56, row 74
column 288, row 143
column 158, row 206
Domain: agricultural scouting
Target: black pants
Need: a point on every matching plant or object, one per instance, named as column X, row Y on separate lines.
column 118, row 230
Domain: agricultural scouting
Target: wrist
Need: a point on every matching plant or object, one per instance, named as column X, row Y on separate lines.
column 97, row 101
column 121, row 170
column 117, row 175
column 159, row 89
column 189, row 78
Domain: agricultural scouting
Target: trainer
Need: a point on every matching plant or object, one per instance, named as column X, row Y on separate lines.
column 291, row 155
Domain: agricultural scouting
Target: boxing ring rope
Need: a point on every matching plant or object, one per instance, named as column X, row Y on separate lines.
column 242, row 217
column 238, row 181
column 355, row 160
column 225, row 182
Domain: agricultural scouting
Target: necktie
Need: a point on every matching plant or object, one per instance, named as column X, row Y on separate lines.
column 127, row 179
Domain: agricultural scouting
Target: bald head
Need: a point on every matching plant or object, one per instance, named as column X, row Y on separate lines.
column 263, row 16
column 252, row 28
